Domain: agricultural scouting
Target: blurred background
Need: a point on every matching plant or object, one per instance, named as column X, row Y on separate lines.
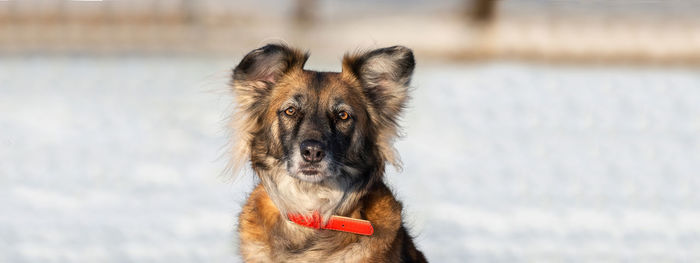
column 539, row 130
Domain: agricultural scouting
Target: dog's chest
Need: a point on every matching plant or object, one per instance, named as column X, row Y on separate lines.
column 315, row 246
column 293, row 197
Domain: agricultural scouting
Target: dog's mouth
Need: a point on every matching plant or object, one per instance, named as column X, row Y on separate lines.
column 311, row 172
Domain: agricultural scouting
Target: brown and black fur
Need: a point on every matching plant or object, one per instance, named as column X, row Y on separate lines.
column 310, row 156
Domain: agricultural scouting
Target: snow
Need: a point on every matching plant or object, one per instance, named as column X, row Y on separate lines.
column 118, row 159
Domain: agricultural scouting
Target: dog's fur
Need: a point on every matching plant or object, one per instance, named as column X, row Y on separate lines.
column 350, row 117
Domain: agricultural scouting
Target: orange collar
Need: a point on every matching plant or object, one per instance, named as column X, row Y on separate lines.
column 338, row 223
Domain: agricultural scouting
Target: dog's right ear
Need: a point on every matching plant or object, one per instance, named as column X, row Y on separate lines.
column 253, row 79
column 260, row 69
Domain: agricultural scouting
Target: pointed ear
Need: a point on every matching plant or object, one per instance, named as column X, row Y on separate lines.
column 260, row 69
column 253, row 79
column 384, row 75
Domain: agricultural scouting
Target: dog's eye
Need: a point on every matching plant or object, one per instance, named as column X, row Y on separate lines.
column 290, row 111
column 343, row 115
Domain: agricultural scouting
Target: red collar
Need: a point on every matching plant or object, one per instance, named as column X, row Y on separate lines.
column 338, row 223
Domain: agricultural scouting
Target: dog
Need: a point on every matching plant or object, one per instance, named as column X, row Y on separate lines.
column 319, row 143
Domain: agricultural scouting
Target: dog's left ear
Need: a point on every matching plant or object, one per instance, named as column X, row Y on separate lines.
column 384, row 74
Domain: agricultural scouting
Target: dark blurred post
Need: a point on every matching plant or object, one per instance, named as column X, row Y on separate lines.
column 304, row 11
column 481, row 15
column 481, row 11
column 188, row 11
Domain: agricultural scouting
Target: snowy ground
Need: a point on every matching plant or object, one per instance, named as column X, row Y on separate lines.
column 116, row 159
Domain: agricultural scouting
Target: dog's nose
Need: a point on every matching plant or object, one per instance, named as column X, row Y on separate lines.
column 312, row 151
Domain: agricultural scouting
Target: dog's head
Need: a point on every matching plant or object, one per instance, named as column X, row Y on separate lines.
column 319, row 125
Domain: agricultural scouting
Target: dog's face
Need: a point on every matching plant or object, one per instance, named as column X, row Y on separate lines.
column 320, row 119
column 320, row 125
